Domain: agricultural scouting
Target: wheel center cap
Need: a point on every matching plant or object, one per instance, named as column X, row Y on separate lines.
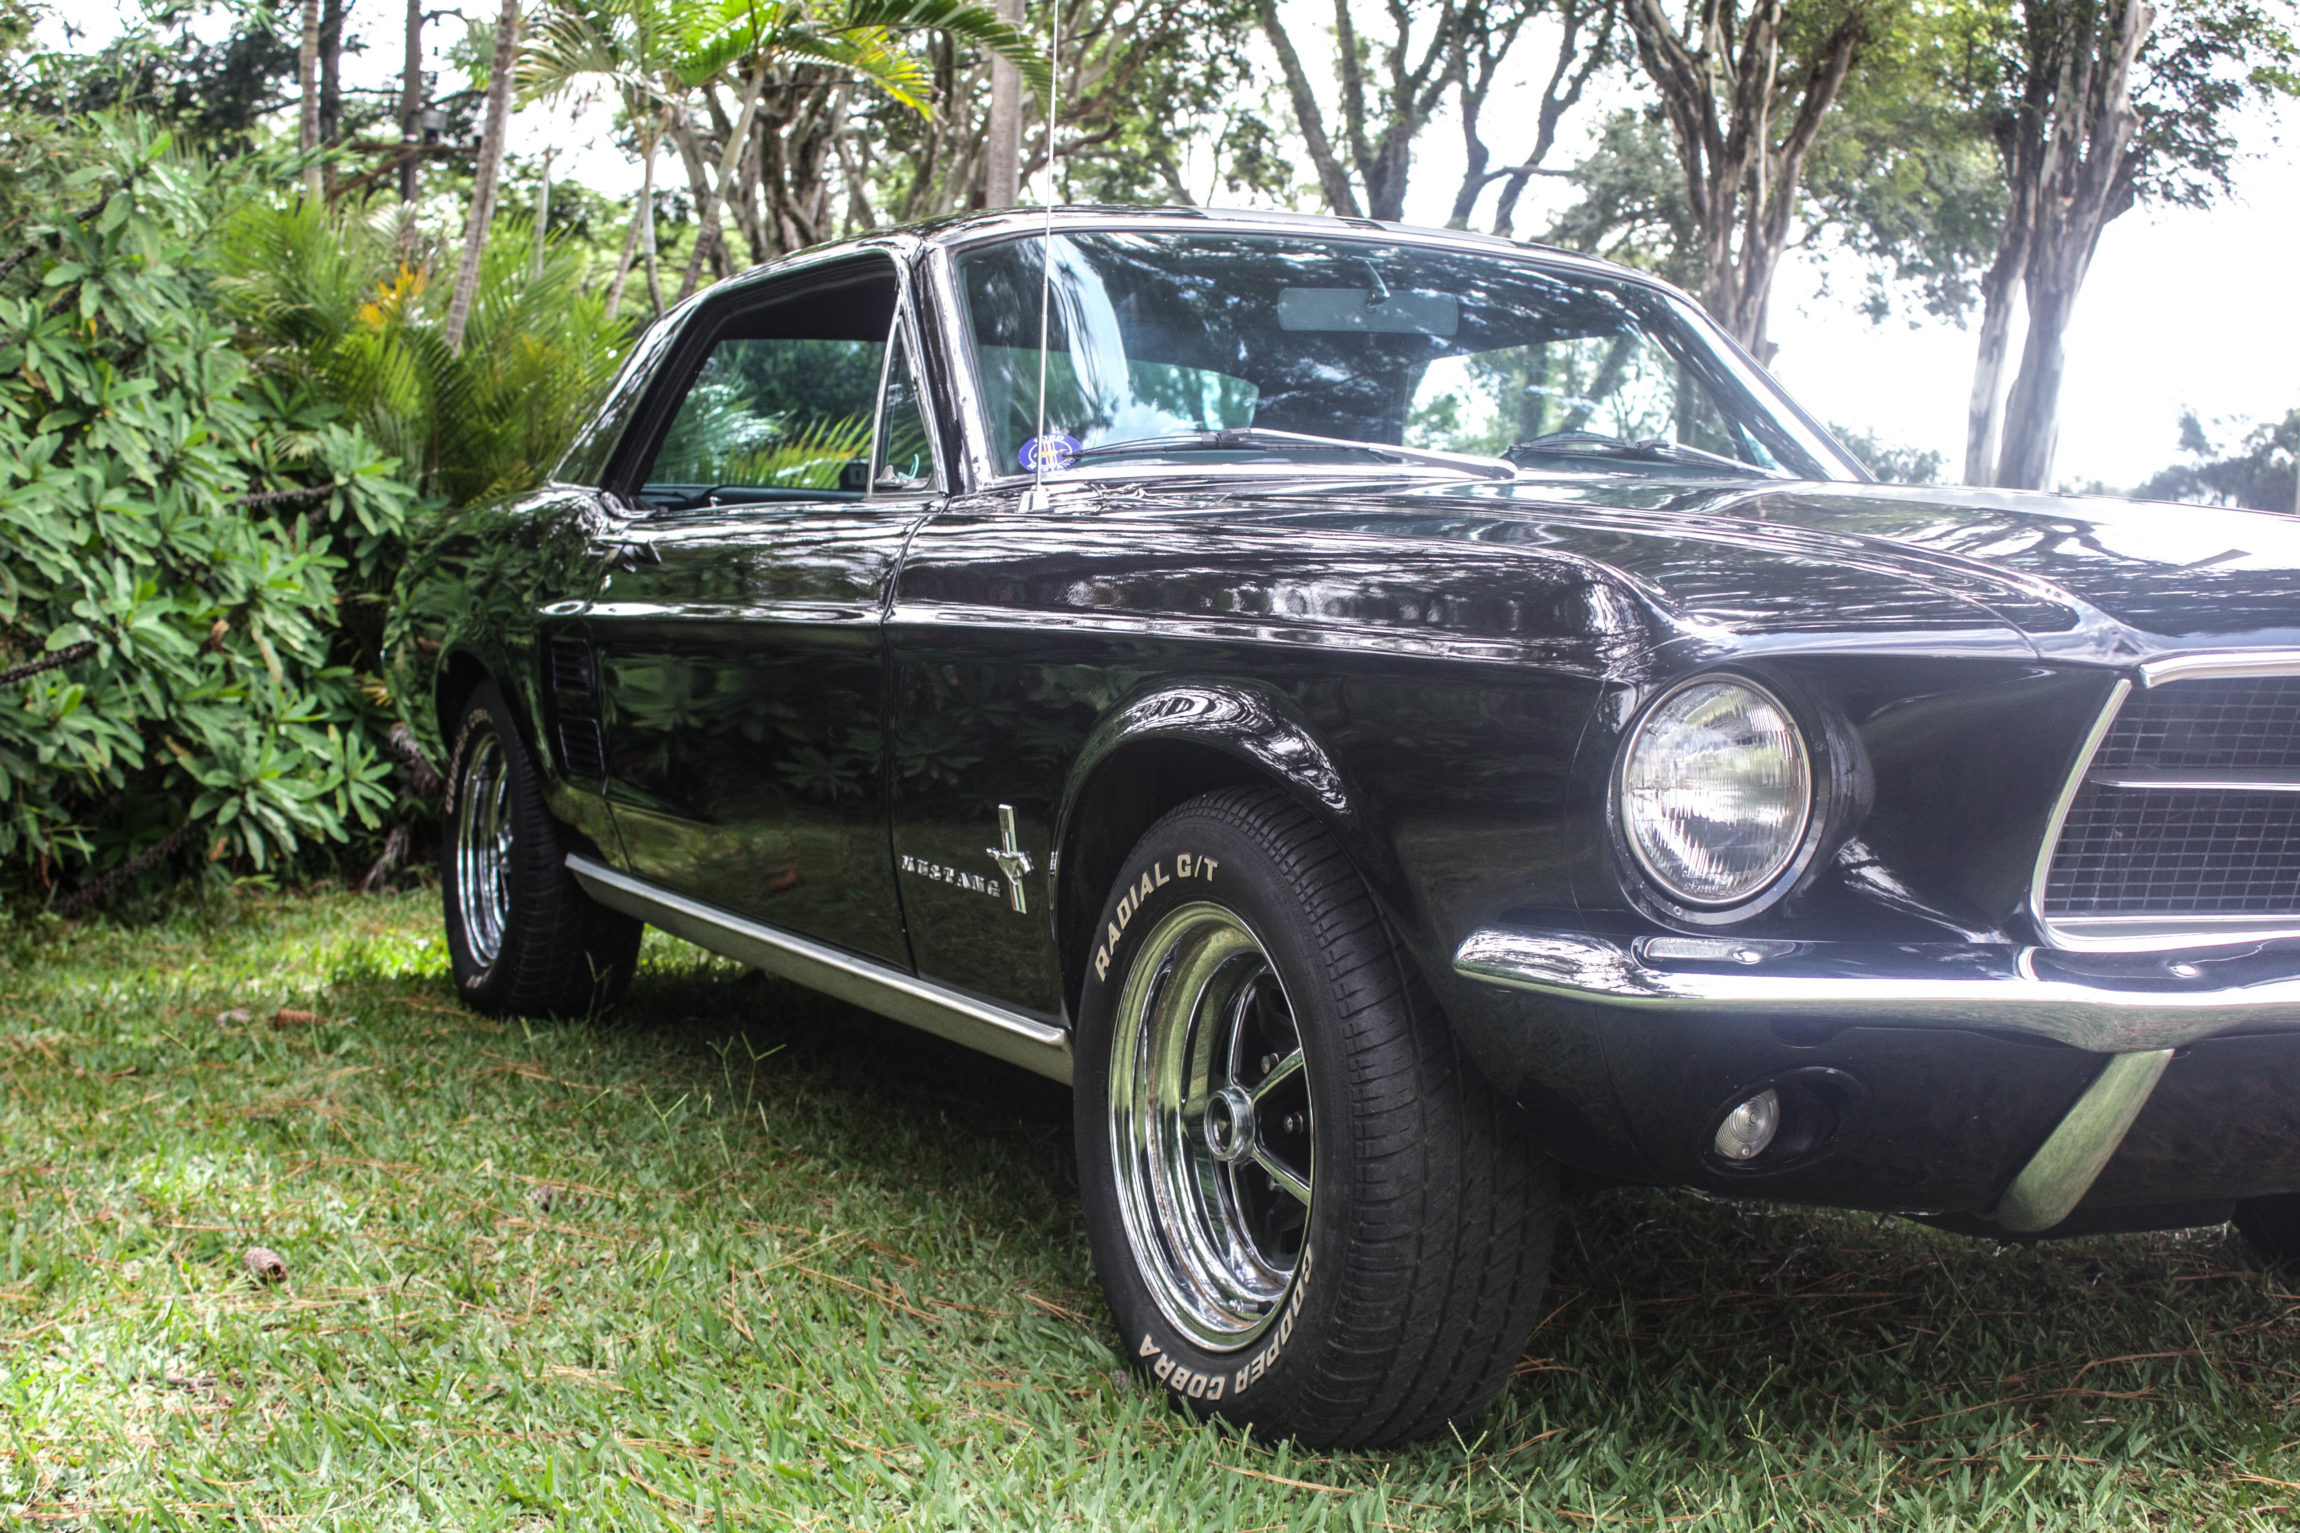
column 1230, row 1124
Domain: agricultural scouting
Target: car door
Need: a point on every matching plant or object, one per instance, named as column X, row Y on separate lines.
column 739, row 629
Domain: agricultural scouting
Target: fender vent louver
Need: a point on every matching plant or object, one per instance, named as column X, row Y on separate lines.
column 572, row 674
column 582, row 751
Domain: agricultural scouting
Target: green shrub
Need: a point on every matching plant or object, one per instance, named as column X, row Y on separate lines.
column 351, row 308
column 189, row 554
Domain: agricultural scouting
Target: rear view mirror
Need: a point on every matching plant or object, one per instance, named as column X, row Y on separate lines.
column 1368, row 311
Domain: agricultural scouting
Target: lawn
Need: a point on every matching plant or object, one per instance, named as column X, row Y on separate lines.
column 745, row 1258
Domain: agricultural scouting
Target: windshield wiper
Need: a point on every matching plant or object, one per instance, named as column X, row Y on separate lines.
column 1644, row 450
column 1250, row 437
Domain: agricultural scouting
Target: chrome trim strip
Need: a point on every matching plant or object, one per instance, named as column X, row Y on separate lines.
column 1887, row 984
column 2061, row 806
column 2256, row 928
column 923, row 1004
column 2062, row 1171
column 2236, row 780
column 2224, row 664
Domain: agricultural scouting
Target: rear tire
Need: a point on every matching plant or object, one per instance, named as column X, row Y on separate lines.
column 522, row 936
column 2272, row 1226
column 1309, row 1215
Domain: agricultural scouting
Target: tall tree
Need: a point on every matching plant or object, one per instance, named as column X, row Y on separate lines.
column 411, row 103
column 330, row 48
column 491, row 149
column 1002, row 138
column 2262, row 471
column 628, row 47
column 2097, row 106
column 1584, row 45
column 1389, row 90
column 765, row 155
column 307, row 83
column 1148, row 86
column 1744, row 95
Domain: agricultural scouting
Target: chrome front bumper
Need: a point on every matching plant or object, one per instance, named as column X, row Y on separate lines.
column 2107, row 1005
column 2134, row 1009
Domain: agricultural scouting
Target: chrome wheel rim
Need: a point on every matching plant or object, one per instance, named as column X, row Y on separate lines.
column 483, row 848
column 1210, row 1127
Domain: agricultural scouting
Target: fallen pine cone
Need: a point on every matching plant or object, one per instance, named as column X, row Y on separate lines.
column 264, row 1265
column 287, row 1016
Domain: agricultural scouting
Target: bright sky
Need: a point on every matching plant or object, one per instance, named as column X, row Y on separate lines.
column 2182, row 309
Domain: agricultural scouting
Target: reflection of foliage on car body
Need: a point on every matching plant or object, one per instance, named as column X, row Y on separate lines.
column 829, row 748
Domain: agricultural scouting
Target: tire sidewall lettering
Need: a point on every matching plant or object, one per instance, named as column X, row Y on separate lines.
column 1186, row 865
column 1192, row 1384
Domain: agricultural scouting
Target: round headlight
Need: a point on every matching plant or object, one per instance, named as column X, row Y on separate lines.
column 1716, row 788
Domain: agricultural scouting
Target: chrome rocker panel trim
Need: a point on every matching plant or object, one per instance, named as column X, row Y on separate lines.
column 921, row 1003
column 1882, row 984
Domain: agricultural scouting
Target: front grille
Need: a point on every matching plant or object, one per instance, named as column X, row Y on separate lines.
column 2186, row 809
column 2243, row 722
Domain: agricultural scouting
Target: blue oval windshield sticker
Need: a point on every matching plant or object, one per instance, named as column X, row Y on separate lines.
column 1048, row 454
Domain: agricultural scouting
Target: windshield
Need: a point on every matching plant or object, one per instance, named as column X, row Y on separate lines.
column 1198, row 346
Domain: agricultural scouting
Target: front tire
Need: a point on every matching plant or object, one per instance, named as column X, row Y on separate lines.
column 522, row 936
column 1308, row 1214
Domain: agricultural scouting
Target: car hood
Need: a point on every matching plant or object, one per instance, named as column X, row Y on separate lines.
column 2080, row 578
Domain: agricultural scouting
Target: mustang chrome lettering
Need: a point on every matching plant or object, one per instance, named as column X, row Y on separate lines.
column 957, row 878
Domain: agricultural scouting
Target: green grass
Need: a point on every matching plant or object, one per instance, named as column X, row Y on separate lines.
column 747, row 1258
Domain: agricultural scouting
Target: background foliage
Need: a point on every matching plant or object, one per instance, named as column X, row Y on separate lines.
column 192, row 551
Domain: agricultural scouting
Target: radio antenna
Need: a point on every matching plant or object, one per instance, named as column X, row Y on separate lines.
column 1040, row 451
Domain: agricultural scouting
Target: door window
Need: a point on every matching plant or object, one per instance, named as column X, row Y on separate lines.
column 784, row 405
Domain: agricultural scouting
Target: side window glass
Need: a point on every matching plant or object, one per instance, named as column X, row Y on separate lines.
column 905, row 448
column 782, row 407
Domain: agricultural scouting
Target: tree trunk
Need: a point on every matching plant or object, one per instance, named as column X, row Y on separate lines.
column 496, row 129
column 1002, row 147
column 411, row 104
column 2084, row 178
column 2032, row 417
column 1721, row 101
column 307, row 82
column 707, row 216
column 1333, row 180
column 1984, row 416
column 543, row 211
column 330, row 84
column 642, row 217
column 690, row 150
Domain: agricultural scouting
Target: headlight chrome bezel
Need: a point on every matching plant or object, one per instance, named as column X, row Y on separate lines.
column 1817, row 763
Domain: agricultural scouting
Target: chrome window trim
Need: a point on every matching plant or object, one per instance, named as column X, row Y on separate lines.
column 2160, row 934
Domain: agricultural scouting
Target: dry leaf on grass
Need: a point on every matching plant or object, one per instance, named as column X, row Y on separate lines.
column 264, row 1265
column 232, row 1018
column 288, row 1016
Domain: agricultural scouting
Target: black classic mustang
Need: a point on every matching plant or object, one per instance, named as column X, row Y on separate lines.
column 1400, row 721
